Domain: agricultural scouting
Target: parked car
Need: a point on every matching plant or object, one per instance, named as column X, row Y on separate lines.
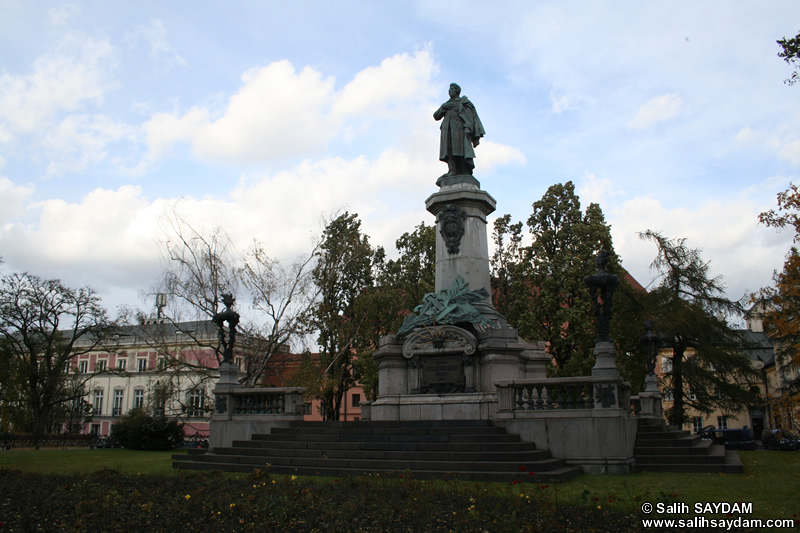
column 732, row 439
column 778, row 439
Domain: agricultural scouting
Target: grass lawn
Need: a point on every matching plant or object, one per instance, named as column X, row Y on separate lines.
column 85, row 461
column 771, row 482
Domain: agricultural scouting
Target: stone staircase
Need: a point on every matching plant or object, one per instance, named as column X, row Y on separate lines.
column 662, row 448
column 469, row 450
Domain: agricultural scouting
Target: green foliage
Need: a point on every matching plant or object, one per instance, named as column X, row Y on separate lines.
column 452, row 305
column 693, row 317
column 343, row 271
column 137, row 430
column 539, row 287
column 400, row 285
column 790, row 52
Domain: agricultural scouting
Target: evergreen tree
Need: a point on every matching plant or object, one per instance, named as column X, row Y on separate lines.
column 709, row 369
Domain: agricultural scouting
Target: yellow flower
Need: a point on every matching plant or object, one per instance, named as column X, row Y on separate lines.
column 232, row 505
column 294, row 478
column 187, row 496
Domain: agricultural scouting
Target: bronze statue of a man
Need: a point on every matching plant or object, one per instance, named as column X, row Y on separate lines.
column 461, row 132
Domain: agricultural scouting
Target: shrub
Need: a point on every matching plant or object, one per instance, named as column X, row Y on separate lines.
column 139, row 431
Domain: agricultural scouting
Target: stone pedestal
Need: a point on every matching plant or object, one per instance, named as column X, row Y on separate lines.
column 650, row 398
column 604, row 354
column 462, row 247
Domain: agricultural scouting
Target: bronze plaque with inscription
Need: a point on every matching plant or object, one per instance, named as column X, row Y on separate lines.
column 442, row 374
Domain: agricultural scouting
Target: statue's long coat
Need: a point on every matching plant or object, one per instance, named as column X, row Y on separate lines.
column 461, row 129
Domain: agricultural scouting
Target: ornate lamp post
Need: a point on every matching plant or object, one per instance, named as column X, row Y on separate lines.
column 228, row 372
column 601, row 287
column 650, row 398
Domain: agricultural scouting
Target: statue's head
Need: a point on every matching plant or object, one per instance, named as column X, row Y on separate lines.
column 228, row 300
column 455, row 90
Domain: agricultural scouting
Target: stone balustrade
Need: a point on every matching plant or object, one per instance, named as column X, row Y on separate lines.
column 271, row 401
column 555, row 394
column 241, row 412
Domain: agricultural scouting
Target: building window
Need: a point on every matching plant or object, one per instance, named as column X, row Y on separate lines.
column 697, row 424
column 121, row 364
column 95, row 430
column 669, row 394
column 666, row 364
column 718, row 394
column 100, row 365
column 97, row 407
column 117, row 409
column 138, row 399
column 722, row 422
column 692, row 395
column 356, row 400
column 196, row 402
column 83, row 367
column 161, row 364
column 142, row 365
column 159, row 401
column 240, row 363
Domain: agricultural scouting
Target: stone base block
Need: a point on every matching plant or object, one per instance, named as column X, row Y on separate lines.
column 599, row 445
column 226, row 429
column 468, row 406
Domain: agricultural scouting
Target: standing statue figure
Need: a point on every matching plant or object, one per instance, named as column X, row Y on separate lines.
column 232, row 318
column 461, row 132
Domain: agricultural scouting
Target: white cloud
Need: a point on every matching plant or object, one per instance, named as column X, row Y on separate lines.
column 81, row 140
column 279, row 113
column 12, row 198
column 560, row 103
column 727, row 232
column 78, row 72
column 61, row 15
column 791, row 152
column 592, row 189
column 155, row 35
column 490, row 155
column 656, row 110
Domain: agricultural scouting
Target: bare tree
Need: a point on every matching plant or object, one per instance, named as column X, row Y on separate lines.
column 200, row 264
column 43, row 326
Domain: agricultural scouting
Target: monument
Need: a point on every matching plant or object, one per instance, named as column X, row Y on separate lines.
column 444, row 362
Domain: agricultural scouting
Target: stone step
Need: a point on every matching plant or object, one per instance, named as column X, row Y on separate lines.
column 391, row 445
column 712, row 456
column 389, row 430
column 663, row 434
column 464, row 449
column 686, row 441
column 518, row 458
column 393, row 424
column 700, row 448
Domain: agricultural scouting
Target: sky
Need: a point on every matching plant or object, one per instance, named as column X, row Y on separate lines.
column 266, row 118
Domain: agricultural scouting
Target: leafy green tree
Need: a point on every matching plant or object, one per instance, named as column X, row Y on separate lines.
column 539, row 287
column 343, row 271
column 790, row 52
column 693, row 316
column 400, row 285
column 43, row 326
